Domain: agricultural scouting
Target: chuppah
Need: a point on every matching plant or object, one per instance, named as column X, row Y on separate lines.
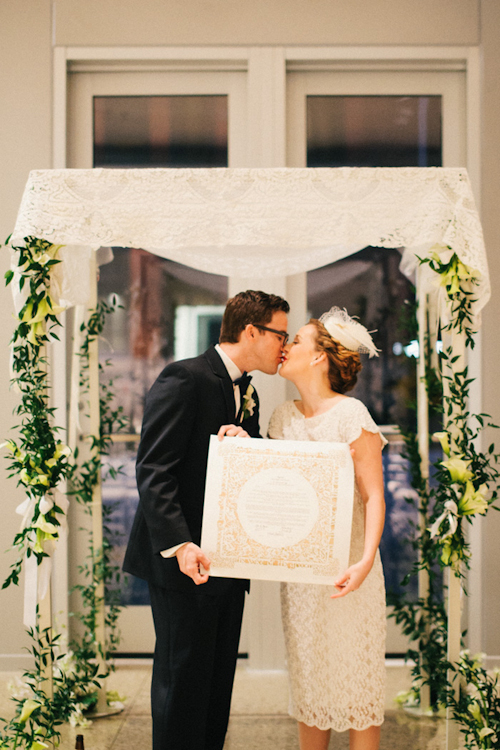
column 259, row 223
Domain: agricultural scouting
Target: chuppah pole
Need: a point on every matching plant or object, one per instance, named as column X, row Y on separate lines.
column 423, row 440
column 44, row 615
column 456, row 340
column 45, row 628
column 97, row 531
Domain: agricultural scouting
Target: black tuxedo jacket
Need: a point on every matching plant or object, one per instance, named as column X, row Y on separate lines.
column 189, row 401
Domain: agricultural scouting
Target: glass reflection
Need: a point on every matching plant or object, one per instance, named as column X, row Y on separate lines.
column 373, row 131
column 160, row 131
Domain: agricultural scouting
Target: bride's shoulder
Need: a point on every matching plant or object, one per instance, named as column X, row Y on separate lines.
column 351, row 405
column 284, row 408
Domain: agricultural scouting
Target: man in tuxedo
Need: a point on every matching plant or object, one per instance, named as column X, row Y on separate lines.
column 197, row 618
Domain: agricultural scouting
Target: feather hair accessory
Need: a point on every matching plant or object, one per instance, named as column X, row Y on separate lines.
column 348, row 332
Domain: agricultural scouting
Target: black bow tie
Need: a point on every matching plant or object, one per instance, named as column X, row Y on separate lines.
column 243, row 382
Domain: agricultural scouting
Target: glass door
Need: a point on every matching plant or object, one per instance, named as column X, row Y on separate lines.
column 164, row 310
column 378, row 119
column 196, row 117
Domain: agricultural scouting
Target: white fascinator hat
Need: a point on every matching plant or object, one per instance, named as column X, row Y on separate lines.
column 348, row 332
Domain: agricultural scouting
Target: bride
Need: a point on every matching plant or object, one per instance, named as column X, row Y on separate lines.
column 336, row 641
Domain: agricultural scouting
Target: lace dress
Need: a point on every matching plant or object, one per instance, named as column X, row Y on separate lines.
column 335, row 648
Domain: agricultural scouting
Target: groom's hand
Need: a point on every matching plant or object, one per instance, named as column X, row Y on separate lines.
column 190, row 557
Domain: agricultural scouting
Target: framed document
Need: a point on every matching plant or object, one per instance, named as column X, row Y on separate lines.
column 278, row 510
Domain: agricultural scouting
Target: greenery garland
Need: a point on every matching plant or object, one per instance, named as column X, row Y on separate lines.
column 465, row 485
column 39, row 462
column 466, row 481
column 477, row 708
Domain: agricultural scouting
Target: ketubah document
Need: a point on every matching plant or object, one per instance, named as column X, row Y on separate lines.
column 278, row 510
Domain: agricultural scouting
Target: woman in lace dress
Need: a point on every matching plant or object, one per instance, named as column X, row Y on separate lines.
column 336, row 640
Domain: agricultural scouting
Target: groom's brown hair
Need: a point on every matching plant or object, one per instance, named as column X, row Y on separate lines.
column 249, row 307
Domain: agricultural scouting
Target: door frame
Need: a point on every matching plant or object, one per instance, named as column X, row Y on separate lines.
column 266, row 69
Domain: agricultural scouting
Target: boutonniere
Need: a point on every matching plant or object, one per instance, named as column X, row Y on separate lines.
column 249, row 403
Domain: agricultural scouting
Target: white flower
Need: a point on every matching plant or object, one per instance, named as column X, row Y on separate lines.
column 77, row 719
column 19, row 689
column 249, row 403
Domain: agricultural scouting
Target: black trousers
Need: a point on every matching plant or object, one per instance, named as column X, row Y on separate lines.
column 197, row 637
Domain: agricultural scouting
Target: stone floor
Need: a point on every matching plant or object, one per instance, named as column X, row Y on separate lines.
column 259, row 719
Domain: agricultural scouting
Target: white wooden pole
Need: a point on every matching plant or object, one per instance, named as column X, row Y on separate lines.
column 456, row 340
column 454, row 637
column 423, row 440
column 44, row 619
column 45, row 623
column 97, row 532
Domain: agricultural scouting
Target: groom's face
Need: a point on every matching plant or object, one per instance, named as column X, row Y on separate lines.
column 269, row 346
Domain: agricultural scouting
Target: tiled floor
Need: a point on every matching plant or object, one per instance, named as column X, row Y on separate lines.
column 259, row 719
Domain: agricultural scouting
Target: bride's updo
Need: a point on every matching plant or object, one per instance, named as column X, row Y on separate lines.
column 344, row 365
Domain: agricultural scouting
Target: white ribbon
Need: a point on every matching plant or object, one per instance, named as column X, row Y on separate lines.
column 25, row 509
column 37, row 576
column 451, row 514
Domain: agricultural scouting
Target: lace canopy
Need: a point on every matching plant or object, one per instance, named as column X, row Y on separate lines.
column 251, row 222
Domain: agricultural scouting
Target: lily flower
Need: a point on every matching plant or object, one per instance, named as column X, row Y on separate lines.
column 43, row 525
column 28, row 707
column 448, row 556
column 38, row 745
column 458, row 468
column 45, row 308
column 35, row 332
column 485, row 732
column 473, row 501
column 475, row 711
column 444, row 439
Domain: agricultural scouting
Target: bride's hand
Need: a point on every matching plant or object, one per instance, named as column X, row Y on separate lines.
column 232, row 430
column 351, row 579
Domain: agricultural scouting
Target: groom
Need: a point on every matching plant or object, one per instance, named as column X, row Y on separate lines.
column 197, row 619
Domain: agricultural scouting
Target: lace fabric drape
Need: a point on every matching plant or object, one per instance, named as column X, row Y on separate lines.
column 252, row 222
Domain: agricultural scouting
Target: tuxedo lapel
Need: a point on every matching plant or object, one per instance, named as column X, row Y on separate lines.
column 219, row 370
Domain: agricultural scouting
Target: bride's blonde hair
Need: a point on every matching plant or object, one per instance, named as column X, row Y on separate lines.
column 343, row 365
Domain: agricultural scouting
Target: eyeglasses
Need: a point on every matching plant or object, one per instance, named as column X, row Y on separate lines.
column 283, row 334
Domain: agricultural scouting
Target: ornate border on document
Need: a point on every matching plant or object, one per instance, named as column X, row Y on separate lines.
column 315, row 551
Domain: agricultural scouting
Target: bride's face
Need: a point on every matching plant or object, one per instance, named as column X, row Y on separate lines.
column 299, row 354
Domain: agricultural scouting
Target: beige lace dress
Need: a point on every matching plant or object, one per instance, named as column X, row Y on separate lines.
column 335, row 648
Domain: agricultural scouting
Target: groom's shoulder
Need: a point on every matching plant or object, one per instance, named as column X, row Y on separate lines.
column 193, row 367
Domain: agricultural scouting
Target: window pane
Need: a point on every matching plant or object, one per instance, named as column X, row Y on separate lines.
column 160, row 131
column 168, row 312
column 370, row 286
column 373, row 131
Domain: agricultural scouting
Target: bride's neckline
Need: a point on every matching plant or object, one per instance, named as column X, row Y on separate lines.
column 336, row 401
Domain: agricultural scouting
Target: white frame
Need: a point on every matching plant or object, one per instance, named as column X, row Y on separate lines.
column 266, row 69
